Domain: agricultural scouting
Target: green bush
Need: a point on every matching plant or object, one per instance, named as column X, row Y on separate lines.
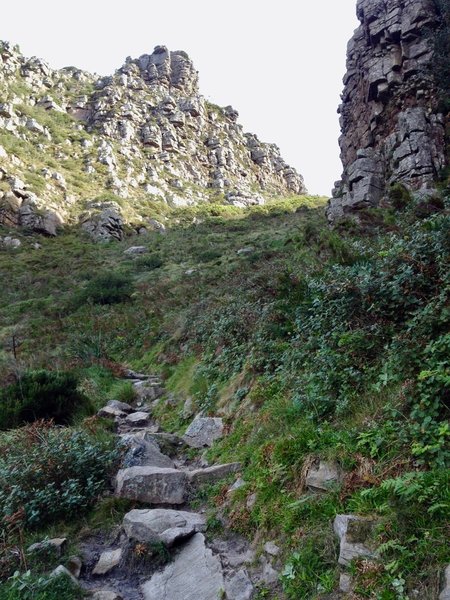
column 52, row 473
column 149, row 263
column 42, row 395
column 107, row 288
column 29, row 587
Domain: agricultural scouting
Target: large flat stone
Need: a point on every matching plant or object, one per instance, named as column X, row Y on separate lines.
column 195, row 574
column 162, row 525
column 152, row 484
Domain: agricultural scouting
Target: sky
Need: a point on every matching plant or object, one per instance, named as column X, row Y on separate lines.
column 279, row 63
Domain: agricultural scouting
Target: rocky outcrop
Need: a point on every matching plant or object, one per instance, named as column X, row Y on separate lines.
column 144, row 135
column 392, row 127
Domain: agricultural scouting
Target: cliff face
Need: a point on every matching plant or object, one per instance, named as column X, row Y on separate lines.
column 392, row 129
column 144, row 135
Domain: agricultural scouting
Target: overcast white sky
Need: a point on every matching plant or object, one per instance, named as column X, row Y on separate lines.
column 279, row 63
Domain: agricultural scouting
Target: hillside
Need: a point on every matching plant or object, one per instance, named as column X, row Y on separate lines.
column 207, row 392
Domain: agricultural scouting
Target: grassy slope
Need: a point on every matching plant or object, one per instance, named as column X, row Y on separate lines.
column 313, row 344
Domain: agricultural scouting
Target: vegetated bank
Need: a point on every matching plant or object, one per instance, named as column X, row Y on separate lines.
column 313, row 344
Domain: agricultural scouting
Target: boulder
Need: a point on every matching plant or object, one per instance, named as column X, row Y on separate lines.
column 445, row 593
column 203, row 431
column 152, row 484
column 353, row 533
column 322, row 476
column 10, row 210
column 103, row 222
column 111, row 412
column 122, row 406
column 194, row 574
column 144, row 452
column 212, row 474
column 137, row 419
column 10, row 242
column 162, row 525
column 239, row 586
column 56, row 545
column 41, row 220
column 148, row 390
column 107, row 562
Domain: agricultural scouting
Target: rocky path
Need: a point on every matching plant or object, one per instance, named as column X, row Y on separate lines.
column 160, row 552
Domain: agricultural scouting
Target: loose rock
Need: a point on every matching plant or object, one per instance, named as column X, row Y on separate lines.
column 203, row 431
column 162, row 525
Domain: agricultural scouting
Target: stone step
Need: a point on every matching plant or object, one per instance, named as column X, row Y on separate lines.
column 162, row 525
column 153, row 485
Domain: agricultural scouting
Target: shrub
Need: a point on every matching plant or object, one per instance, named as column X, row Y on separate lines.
column 107, row 288
column 399, row 196
column 149, row 263
column 29, row 587
column 51, row 473
column 41, row 395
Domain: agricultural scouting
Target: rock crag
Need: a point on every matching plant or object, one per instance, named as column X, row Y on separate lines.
column 104, row 151
column 393, row 129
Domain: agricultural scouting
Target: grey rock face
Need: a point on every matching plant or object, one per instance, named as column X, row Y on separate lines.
column 103, row 222
column 322, row 476
column 194, row 574
column 203, row 431
column 162, row 525
column 392, row 130
column 353, row 532
column 152, row 484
